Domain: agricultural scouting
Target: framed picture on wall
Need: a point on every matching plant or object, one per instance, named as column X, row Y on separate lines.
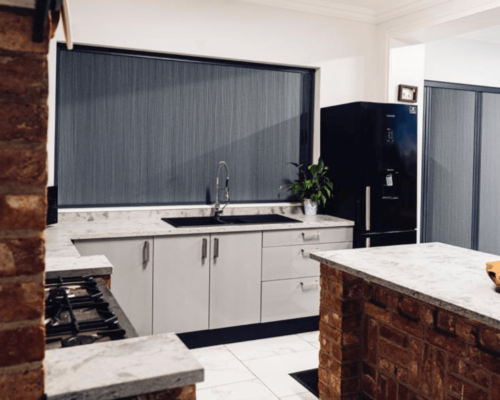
column 407, row 94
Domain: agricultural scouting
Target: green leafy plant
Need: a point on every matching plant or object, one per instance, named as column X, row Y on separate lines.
column 312, row 183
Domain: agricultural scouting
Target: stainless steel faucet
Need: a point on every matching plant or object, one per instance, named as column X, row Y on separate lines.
column 218, row 209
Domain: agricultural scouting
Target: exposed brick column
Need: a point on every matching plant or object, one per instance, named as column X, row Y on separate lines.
column 23, row 179
column 340, row 334
column 411, row 350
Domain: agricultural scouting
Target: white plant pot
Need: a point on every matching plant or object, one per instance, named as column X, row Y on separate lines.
column 310, row 207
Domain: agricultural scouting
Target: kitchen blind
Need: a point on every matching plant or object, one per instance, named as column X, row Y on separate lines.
column 149, row 129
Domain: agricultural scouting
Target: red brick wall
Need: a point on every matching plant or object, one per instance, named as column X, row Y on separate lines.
column 385, row 345
column 23, row 178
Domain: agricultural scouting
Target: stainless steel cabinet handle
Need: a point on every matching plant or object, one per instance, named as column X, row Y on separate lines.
column 368, row 242
column 310, row 237
column 204, row 249
column 146, row 251
column 308, row 285
column 216, row 248
column 368, row 199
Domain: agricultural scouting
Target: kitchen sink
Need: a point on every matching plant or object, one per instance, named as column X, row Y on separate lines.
column 186, row 222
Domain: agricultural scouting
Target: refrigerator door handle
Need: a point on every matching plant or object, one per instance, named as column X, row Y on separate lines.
column 368, row 208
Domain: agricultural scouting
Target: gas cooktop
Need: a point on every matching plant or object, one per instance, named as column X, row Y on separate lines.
column 82, row 310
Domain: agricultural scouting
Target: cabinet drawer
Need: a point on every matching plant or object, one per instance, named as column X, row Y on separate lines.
column 289, row 262
column 306, row 236
column 291, row 298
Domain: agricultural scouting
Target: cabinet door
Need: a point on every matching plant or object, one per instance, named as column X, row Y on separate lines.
column 489, row 217
column 132, row 279
column 181, row 283
column 449, row 166
column 235, row 279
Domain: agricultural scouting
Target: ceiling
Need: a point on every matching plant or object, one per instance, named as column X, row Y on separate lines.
column 371, row 11
column 488, row 35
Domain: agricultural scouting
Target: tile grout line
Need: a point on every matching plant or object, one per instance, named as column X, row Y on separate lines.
column 275, row 355
column 256, row 377
column 307, row 341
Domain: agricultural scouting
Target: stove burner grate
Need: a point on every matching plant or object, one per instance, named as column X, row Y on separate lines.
column 76, row 313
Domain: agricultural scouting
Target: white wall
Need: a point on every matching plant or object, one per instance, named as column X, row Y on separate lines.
column 344, row 50
column 461, row 60
column 407, row 66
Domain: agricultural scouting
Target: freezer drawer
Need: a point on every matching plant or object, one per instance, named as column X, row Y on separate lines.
column 385, row 239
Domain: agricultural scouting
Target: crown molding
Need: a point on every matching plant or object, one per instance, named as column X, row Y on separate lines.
column 353, row 13
column 400, row 11
column 19, row 3
column 322, row 7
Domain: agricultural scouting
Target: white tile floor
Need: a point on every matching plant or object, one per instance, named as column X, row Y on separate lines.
column 258, row 369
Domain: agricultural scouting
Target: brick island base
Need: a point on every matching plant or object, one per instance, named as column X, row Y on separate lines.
column 377, row 343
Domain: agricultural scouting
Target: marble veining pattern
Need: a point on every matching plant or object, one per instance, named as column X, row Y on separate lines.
column 120, row 368
column 449, row 277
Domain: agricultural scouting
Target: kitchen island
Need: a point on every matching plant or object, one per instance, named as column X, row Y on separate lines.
column 413, row 321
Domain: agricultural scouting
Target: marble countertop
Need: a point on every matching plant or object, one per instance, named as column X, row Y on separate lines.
column 59, row 236
column 120, row 368
column 449, row 277
column 66, row 266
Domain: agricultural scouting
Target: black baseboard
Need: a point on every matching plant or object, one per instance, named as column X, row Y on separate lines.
column 243, row 333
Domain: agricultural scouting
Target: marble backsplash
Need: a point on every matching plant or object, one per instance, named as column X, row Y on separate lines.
column 179, row 211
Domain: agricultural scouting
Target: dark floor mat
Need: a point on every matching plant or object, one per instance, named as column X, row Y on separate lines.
column 308, row 379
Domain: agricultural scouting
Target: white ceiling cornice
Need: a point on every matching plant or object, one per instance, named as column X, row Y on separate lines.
column 399, row 11
column 322, row 7
column 353, row 13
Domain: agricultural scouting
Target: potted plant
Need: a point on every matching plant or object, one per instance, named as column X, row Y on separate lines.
column 312, row 187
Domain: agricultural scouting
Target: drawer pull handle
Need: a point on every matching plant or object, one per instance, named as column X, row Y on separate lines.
column 204, row 249
column 216, row 248
column 309, row 285
column 310, row 237
column 306, row 253
column 146, row 252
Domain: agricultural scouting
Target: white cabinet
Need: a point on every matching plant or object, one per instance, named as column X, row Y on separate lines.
column 290, row 279
column 306, row 236
column 290, row 298
column 212, row 281
column 286, row 262
column 181, row 283
column 132, row 280
column 235, row 279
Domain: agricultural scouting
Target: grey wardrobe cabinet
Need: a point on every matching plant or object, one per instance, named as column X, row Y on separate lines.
column 461, row 184
column 489, row 195
column 132, row 279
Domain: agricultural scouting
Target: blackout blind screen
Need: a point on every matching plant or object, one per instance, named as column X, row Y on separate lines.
column 144, row 129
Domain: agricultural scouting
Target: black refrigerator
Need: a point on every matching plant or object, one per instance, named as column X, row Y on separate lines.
column 371, row 150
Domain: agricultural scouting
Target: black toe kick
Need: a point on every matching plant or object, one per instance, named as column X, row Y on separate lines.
column 243, row 333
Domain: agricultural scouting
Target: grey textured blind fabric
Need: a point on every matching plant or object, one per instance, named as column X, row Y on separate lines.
column 489, row 210
column 137, row 130
column 449, row 170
